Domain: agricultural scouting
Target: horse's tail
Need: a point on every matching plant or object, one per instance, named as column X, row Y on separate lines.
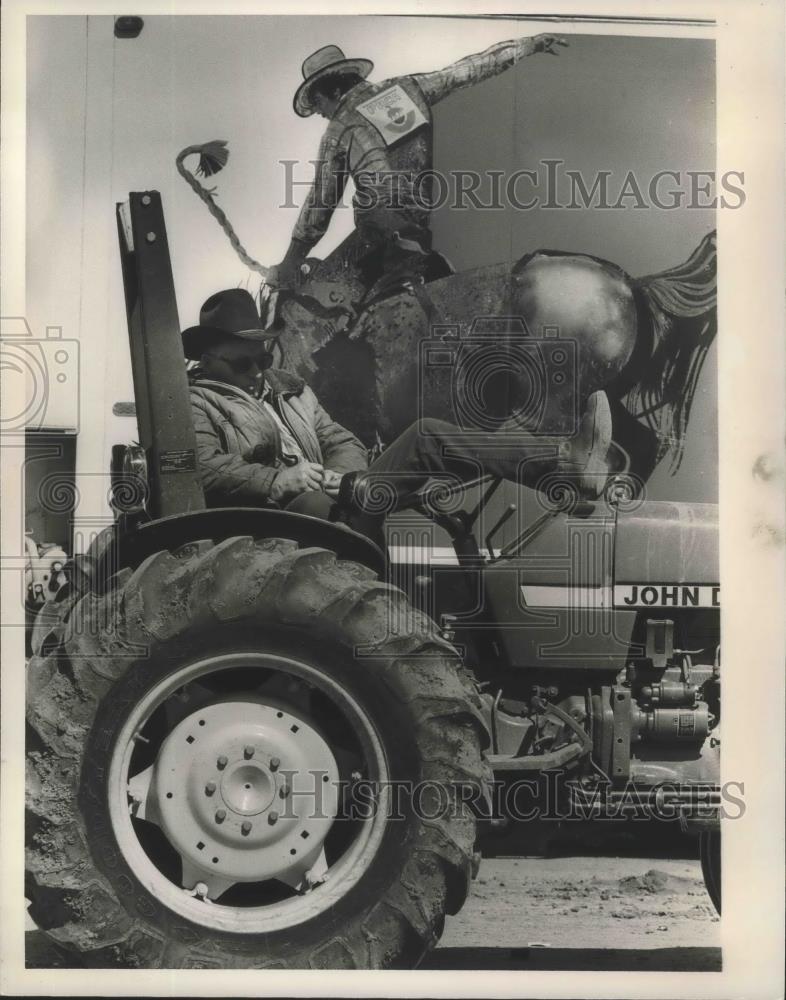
column 681, row 304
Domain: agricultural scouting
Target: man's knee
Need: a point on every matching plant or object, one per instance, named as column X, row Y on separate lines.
column 428, row 428
column 314, row 503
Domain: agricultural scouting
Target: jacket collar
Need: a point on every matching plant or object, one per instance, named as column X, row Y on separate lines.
column 351, row 99
column 284, row 383
column 280, row 383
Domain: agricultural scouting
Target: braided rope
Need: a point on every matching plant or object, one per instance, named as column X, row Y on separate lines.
column 213, row 156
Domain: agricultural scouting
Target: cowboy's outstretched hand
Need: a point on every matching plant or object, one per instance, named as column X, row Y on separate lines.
column 284, row 275
column 546, row 43
column 289, row 272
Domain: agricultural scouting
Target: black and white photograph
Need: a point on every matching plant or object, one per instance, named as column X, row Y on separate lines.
column 393, row 462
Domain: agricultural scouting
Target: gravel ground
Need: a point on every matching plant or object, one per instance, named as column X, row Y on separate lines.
column 628, row 901
column 584, row 912
column 601, row 913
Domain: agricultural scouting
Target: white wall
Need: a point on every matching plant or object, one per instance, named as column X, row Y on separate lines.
column 69, row 274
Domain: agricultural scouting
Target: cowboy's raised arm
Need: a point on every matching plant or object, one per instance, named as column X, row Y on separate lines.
column 473, row 69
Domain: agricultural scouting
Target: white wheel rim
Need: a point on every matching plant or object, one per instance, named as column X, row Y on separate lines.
column 342, row 875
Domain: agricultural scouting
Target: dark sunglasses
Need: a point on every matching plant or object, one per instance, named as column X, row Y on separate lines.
column 245, row 362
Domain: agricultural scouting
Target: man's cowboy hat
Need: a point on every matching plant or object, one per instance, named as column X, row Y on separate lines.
column 329, row 59
column 231, row 313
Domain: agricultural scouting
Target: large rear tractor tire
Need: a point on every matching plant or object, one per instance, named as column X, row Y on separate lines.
column 249, row 755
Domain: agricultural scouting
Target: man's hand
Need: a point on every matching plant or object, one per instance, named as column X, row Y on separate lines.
column 546, row 43
column 288, row 273
column 331, row 482
column 284, row 275
column 297, row 479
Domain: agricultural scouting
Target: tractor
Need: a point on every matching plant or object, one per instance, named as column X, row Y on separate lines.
column 255, row 742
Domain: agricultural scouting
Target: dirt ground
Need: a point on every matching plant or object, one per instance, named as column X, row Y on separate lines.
column 629, row 901
column 584, row 913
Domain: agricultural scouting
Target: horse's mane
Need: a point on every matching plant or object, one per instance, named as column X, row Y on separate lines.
column 682, row 307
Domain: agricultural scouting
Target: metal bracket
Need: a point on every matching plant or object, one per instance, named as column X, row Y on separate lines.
column 620, row 748
column 660, row 642
column 163, row 407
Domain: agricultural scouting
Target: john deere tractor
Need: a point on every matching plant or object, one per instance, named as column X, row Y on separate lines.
column 247, row 749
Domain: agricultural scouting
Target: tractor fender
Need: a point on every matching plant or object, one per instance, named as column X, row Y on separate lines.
column 134, row 544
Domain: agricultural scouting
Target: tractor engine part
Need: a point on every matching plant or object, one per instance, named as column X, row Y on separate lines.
column 511, row 733
column 672, row 725
column 671, row 693
column 540, row 735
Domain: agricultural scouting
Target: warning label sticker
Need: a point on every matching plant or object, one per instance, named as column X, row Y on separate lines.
column 177, row 461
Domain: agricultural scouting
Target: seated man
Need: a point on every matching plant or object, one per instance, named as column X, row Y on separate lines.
column 431, row 448
column 261, row 433
column 263, row 436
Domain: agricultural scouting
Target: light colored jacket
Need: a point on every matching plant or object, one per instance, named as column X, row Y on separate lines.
column 230, row 424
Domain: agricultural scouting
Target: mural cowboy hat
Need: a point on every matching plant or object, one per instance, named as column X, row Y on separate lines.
column 231, row 313
column 329, row 59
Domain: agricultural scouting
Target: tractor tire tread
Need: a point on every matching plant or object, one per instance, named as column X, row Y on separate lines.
column 196, row 586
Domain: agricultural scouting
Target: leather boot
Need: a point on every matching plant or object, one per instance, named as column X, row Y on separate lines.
column 584, row 458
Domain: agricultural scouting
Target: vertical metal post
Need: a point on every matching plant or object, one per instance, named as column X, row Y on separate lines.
column 163, row 408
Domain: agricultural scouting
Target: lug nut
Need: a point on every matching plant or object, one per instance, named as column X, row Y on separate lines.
column 275, row 763
column 221, row 815
column 248, row 752
column 272, row 817
column 283, row 791
column 210, row 787
column 222, row 762
column 200, row 889
column 150, row 237
column 245, row 828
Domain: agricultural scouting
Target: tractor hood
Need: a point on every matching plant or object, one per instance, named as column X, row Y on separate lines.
column 667, row 543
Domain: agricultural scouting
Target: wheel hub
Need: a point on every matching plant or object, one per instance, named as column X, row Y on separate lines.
column 248, row 788
column 245, row 791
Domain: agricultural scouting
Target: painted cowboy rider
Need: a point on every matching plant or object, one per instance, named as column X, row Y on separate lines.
column 380, row 135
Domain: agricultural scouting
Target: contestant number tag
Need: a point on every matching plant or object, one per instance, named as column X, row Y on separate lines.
column 393, row 113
